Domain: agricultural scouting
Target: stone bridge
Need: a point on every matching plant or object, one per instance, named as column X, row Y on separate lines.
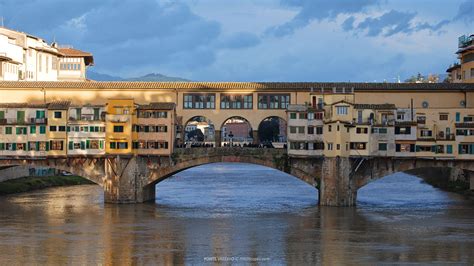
column 132, row 179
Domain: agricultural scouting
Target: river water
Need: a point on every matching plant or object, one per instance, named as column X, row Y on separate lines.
column 238, row 213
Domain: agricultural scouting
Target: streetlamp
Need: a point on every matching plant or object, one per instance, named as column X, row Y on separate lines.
column 231, row 136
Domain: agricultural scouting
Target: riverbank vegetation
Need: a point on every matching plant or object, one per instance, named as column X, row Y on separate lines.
column 25, row 184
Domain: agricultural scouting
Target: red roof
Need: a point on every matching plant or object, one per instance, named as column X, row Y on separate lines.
column 71, row 52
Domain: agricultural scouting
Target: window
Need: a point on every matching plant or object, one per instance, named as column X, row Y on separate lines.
column 32, row 129
column 310, row 130
column 357, row 145
column 62, row 128
column 21, row 131
column 443, row 117
column 199, row 101
column 362, row 130
column 342, row 110
column 405, row 147
column 293, row 130
column 236, row 101
column 319, row 130
column 301, row 130
column 302, row 116
column 400, row 116
column 402, row 130
column 310, row 116
column 58, row 115
column 318, row 116
column 449, row 149
column 40, row 114
column 421, row 119
column 379, row 130
column 56, row 145
column 52, row 128
column 426, row 133
column 468, row 119
column 118, row 129
column 382, row 146
column 329, row 128
column 42, row 129
column 2, row 113
column 330, row 146
column 8, row 130
column 472, row 73
column 458, row 117
column 292, row 115
column 273, row 101
column 20, row 116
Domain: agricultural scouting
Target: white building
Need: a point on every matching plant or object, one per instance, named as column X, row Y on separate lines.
column 24, row 57
column 86, row 130
column 23, row 129
column 305, row 131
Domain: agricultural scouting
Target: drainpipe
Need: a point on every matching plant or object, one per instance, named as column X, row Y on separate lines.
column 411, row 109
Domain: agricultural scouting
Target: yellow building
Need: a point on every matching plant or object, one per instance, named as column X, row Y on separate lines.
column 120, row 116
column 56, row 129
column 154, row 130
column 463, row 71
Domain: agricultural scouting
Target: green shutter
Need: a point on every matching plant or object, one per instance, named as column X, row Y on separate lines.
column 14, row 146
column 71, row 145
column 37, row 145
column 101, row 144
column 2, row 146
column 20, row 116
column 42, row 129
column 32, row 129
column 8, row 130
column 449, row 149
column 47, row 145
column 2, row 114
column 88, row 144
column 83, row 145
column 18, row 132
column 471, row 148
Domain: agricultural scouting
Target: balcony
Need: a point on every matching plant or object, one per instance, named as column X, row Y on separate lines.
column 118, row 118
column 38, row 120
column 442, row 136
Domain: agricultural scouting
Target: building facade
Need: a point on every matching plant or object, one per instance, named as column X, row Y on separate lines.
column 463, row 71
column 24, row 57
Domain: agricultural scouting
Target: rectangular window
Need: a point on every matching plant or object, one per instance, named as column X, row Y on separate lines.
column 400, row 116
column 20, row 116
column 293, row 130
column 52, row 128
column 292, row 115
column 330, row 146
column 8, row 130
column 2, row 114
column 301, row 130
column 32, row 129
column 443, row 117
column 40, row 114
column 382, row 146
column 56, row 145
column 319, row 130
column 42, row 129
column 449, row 149
column 273, row 101
column 58, row 115
column 458, row 117
column 199, row 101
column 303, row 116
column 118, row 129
column 62, row 128
column 236, row 101
column 310, row 130
column 357, row 145
column 310, row 116
column 361, row 130
column 319, row 116
column 21, row 131
column 342, row 110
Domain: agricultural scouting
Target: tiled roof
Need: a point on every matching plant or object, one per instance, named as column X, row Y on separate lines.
column 22, row 105
column 59, row 105
column 298, row 86
column 71, row 52
column 157, row 106
column 386, row 106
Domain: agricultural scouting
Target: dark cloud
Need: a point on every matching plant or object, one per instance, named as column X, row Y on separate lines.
column 391, row 23
column 311, row 10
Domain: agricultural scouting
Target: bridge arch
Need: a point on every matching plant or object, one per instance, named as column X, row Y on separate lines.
column 240, row 127
column 199, row 129
column 271, row 158
column 272, row 129
column 90, row 169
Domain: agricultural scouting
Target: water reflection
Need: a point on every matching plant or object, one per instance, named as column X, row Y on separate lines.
column 232, row 210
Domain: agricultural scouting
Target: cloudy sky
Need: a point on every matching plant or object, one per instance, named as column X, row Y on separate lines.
column 254, row 40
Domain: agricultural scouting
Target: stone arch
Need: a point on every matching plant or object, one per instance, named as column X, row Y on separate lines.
column 271, row 158
column 378, row 168
column 249, row 129
column 282, row 135
column 198, row 119
column 84, row 168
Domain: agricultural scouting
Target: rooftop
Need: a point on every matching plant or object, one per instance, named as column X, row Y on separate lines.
column 298, row 86
column 71, row 52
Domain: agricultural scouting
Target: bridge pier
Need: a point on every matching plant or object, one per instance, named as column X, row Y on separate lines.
column 337, row 188
column 126, row 180
column 255, row 138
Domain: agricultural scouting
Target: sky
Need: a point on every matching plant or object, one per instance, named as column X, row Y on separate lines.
column 250, row 40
